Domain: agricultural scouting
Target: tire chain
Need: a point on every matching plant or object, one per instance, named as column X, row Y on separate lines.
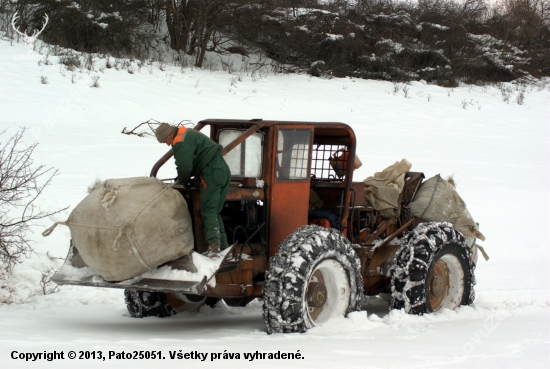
column 286, row 278
column 141, row 304
column 417, row 250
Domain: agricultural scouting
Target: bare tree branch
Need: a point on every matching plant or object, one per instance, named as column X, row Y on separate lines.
column 21, row 183
column 150, row 126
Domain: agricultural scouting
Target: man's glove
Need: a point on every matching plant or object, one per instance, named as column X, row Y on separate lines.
column 191, row 183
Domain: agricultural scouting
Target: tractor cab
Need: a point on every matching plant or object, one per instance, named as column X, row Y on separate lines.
column 283, row 175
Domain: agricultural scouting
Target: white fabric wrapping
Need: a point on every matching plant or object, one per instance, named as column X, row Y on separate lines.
column 438, row 201
column 382, row 190
column 127, row 226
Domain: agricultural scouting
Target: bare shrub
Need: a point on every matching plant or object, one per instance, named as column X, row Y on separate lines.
column 21, row 184
column 89, row 62
column 505, row 92
column 406, row 90
column 47, row 61
column 95, row 81
column 396, row 87
column 210, row 64
column 520, row 98
column 72, row 61
column 466, row 103
column 48, row 287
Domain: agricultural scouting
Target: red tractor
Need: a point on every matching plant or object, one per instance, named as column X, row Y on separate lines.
column 308, row 265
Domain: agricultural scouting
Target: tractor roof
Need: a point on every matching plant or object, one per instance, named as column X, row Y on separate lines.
column 321, row 128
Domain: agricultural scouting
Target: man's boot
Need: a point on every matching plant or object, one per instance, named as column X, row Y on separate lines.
column 213, row 250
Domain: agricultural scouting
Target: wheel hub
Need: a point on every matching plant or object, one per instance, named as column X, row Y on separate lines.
column 446, row 283
column 438, row 285
column 316, row 294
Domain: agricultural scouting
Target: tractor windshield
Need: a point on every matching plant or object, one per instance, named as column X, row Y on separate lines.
column 245, row 160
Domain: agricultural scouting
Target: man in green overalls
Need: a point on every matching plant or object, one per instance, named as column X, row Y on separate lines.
column 198, row 156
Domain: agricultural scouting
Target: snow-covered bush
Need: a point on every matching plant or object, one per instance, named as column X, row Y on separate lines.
column 118, row 27
column 440, row 41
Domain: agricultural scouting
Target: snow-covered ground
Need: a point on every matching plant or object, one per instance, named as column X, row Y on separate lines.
column 498, row 153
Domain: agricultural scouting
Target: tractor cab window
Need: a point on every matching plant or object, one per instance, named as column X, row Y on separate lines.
column 329, row 162
column 293, row 155
column 244, row 160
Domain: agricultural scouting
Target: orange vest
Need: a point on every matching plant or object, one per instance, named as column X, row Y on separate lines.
column 179, row 135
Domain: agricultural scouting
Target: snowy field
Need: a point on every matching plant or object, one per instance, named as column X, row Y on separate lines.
column 498, row 153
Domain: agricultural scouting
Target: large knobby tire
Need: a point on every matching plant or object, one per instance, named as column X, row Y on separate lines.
column 141, row 304
column 314, row 276
column 433, row 270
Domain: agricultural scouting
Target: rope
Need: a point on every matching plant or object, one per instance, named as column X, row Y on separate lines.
column 125, row 227
column 485, row 256
column 138, row 256
column 49, row 231
column 122, row 229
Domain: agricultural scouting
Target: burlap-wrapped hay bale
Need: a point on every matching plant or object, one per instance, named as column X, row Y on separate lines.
column 438, row 201
column 127, row 226
column 382, row 190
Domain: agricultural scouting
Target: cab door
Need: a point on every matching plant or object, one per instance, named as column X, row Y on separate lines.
column 291, row 182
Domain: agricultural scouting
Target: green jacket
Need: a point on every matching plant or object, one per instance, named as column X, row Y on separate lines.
column 193, row 154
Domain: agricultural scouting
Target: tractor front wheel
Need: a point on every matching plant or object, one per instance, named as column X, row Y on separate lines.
column 314, row 276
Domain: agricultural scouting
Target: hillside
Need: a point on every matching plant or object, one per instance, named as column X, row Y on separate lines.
column 497, row 150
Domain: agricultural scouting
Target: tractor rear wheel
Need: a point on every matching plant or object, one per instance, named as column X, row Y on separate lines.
column 141, row 304
column 433, row 270
column 314, row 276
